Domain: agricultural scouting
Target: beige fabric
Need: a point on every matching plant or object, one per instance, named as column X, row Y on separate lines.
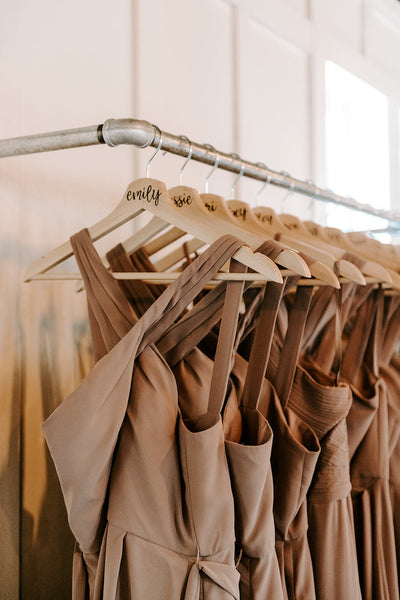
column 248, row 442
column 150, row 520
column 324, row 406
column 295, row 450
column 394, row 466
column 369, row 453
column 294, row 455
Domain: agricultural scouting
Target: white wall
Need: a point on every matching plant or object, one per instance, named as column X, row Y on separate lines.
column 243, row 75
column 61, row 65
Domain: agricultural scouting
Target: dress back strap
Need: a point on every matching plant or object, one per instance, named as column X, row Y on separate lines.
column 292, row 344
column 357, row 345
column 191, row 329
column 178, row 295
column 373, row 355
column 225, row 345
column 391, row 333
column 110, row 313
column 141, row 295
column 329, row 351
column 261, row 347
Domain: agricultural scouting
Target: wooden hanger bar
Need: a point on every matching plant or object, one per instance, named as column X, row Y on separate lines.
column 167, row 277
column 142, row 134
column 152, row 195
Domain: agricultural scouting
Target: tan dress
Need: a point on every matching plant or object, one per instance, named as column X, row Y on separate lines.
column 150, row 520
column 324, row 407
column 323, row 403
column 141, row 295
column 368, row 434
column 295, row 451
column 394, row 472
column 248, row 449
column 390, row 371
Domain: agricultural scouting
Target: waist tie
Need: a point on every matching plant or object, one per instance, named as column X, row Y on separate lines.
column 224, row 576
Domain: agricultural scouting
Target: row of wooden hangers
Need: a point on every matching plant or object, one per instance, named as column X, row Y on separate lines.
column 206, row 217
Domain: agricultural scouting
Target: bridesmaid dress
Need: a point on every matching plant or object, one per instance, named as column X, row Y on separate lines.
column 390, row 372
column 149, row 519
column 323, row 402
column 294, row 449
column 368, row 434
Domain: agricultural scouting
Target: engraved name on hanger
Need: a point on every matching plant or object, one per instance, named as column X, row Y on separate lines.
column 239, row 212
column 210, row 205
column 264, row 218
column 150, row 194
column 182, row 199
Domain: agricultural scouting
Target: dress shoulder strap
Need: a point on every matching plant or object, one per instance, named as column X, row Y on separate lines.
column 110, row 313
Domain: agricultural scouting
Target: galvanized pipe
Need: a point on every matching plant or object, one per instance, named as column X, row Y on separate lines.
column 115, row 132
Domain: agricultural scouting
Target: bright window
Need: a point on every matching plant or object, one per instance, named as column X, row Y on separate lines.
column 357, row 147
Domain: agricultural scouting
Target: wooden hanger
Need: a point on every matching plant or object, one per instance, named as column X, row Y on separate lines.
column 293, row 227
column 388, row 253
column 225, row 210
column 313, row 232
column 152, row 195
column 280, row 229
column 370, row 269
column 186, row 198
column 144, row 234
column 287, row 258
column 219, row 208
column 178, row 255
column 365, row 251
column 216, row 204
column 272, row 227
column 374, row 271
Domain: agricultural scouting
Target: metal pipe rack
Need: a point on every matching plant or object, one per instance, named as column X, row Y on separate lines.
column 116, row 132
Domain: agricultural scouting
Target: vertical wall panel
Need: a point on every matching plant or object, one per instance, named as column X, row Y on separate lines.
column 382, row 37
column 342, row 19
column 64, row 65
column 186, row 72
column 275, row 105
column 301, row 6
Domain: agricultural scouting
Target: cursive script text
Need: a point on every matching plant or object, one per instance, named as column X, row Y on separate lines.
column 264, row 218
column 291, row 226
column 239, row 213
column 210, row 206
column 182, row 200
column 148, row 193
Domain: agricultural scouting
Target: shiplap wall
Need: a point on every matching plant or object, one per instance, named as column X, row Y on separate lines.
column 244, row 75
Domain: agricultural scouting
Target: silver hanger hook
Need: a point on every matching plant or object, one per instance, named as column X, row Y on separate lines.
column 237, row 157
column 266, row 182
column 209, row 147
column 189, row 156
column 158, row 148
column 311, row 202
column 291, row 189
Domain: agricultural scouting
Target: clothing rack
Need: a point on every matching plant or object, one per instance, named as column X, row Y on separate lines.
column 115, row 132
